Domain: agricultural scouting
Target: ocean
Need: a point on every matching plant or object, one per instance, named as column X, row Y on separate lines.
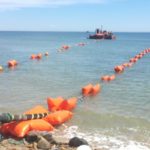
column 118, row 118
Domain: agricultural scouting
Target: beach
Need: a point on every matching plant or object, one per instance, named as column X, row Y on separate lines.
column 115, row 119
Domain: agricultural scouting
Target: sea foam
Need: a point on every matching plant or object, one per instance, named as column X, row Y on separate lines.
column 100, row 141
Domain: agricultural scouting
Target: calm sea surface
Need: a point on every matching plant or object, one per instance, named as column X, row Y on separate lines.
column 117, row 118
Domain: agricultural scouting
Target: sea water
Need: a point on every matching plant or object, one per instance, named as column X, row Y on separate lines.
column 118, row 118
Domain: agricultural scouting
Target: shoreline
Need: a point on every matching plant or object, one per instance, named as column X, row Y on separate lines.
column 63, row 134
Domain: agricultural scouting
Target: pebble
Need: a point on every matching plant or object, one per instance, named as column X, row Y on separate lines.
column 75, row 142
column 84, row 147
column 43, row 144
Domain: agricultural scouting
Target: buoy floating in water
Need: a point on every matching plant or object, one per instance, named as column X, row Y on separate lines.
column 54, row 103
column 86, row 90
column 59, row 103
column 95, row 89
column 12, row 63
column 1, row 69
column 65, row 47
column 119, row 69
column 68, row 104
column 39, row 56
column 133, row 60
column 36, row 56
column 108, row 77
column 46, row 53
column 58, row 117
column 91, row 90
column 33, row 56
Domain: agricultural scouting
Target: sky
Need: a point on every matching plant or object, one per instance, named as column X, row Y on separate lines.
column 75, row 15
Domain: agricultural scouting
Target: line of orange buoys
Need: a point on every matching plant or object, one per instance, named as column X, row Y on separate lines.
column 59, row 107
column 90, row 90
column 132, row 61
column 65, row 48
column 13, row 63
column 38, row 56
column 120, row 68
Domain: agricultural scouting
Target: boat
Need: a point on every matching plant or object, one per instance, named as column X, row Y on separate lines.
column 100, row 34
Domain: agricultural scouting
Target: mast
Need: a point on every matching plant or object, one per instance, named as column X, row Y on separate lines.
column 101, row 27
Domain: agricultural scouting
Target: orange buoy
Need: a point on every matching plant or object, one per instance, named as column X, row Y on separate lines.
column 86, row 90
column 21, row 128
column 65, row 47
column 68, row 104
column 54, row 103
column 119, row 69
column 40, row 125
column 146, row 51
column 108, row 78
column 58, row 117
column 12, row 63
column 139, row 56
column 33, row 56
column 95, row 89
column 46, row 54
column 15, row 62
column 130, row 64
column 112, row 77
column 39, row 56
column 133, row 60
column 105, row 78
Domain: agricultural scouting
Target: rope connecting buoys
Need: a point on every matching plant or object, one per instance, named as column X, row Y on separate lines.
column 129, row 64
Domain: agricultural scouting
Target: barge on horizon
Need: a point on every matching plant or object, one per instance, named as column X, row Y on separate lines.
column 100, row 34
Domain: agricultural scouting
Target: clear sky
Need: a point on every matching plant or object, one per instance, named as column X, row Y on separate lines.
column 75, row 15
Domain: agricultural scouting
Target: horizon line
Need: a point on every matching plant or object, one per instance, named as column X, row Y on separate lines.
column 67, row 31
